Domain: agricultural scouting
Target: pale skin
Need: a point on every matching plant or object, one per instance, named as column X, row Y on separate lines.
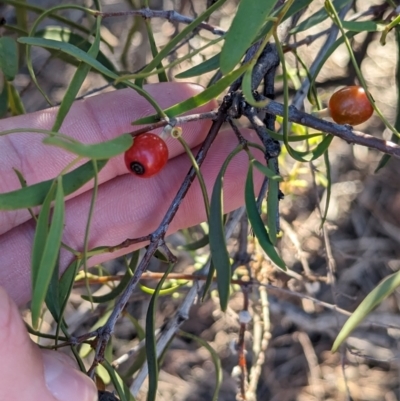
column 126, row 207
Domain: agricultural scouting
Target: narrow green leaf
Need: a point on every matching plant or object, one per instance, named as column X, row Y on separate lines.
column 103, row 150
column 202, row 242
column 86, row 58
column 163, row 292
column 162, row 76
column 297, row 155
column 272, row 207
column 8, row 57
column 294, row 138
column 248, row 90
column 14, row 100
column 22, row 181
column 385, row 158
column 208, row 65
column 188, row 30
column 266, row 171
column 113, row 293
column 363, row 26
column 41, row 233
column 151, row 350
column 52, row 297
column 119, row 385
column 141, row 334
column 209, row 280
column 66, row 283
column 4, row 99
column 35, row 195
column 42, row 273
column 63, row 34
column 137, row 363
column 77, row 81
column 257, row 224
column 219, row 253
column 218, row 250
column 208, row 94
column 385, row 288
column 39, row 10
column 297, row 6
column 328, row 54
column 316, row 18
column 328, row 187
column 214, row 357
column 313, row 154
column 250, row 17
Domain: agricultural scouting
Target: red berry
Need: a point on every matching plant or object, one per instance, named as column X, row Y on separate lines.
column 147, row 156
column 350, row 105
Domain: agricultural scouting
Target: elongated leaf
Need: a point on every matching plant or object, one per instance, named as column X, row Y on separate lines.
column 103, row 150
column 272, row 207
column 66, row 283
column 162, row 76
column 219, row 254
column 42, row 273
column 68, row 49
column 63, row 34
column 53, row 14
column 208, row 65
column 268, row 172
column 86, row 58
column 385, row 158
column 4, row 99
column 257, row 224
column 52, row 297
column 210, row 93
column 41, row 233
column 113, row 293
column 215, row 358
column 8, row 57
column 14, row 100
column 35, row 195
column 250, row 17
column 119, row 385
column 181, row 35
column 197, row 244
column 313, row 154
column 316, row 18
column 363, row 26
column 373, row 299
column 151, row 350
column 248, row 89
column 163, row 292
column 77, row 81
column 130, row 269
column 328, row 187
column 218, row 250
column 328, row 54
column 297, row 6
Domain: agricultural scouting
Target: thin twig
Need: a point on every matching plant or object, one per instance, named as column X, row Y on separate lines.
column 182, row 314
column 169, row 15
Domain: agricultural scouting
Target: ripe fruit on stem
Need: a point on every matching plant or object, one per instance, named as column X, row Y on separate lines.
column 147, row 156
column 350, row 105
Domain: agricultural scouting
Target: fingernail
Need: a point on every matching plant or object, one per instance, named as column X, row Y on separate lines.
column 66, row 383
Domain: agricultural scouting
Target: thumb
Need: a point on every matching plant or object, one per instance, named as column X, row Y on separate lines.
column 27, row 373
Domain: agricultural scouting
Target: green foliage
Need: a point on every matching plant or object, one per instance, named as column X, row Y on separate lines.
column 90, row 50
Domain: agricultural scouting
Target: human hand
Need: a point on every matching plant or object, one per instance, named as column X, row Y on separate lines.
column 126, row 206
column 28, row 373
